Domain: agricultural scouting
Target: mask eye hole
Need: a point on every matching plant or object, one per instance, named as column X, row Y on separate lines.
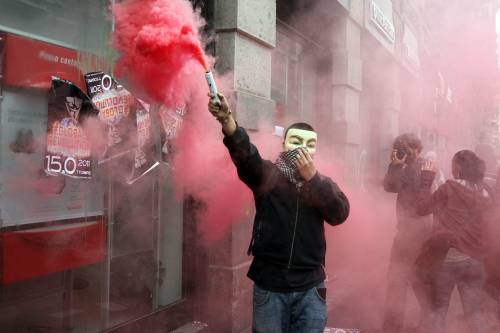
column 295, row 140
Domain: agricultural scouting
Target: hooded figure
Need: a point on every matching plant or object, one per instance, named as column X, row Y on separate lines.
column 454, row 253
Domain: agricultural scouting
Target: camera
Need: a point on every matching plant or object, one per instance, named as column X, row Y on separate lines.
column 401, row 153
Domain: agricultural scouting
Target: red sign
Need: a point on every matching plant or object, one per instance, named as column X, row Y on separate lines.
column 31, row 64
column 2, row 49
column 35, row 252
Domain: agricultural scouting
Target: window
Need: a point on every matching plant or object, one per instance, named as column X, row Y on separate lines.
column 145, row 263
column 294, row 76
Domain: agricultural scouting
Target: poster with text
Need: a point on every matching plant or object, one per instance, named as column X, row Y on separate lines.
column 68, row 150
column 171, row 119
column 144, row 159
column 115, row 105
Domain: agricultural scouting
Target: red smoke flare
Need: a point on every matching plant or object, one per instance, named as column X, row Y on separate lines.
column 158, row 42
column 161, row 54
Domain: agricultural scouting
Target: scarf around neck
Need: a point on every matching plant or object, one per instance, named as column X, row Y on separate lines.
column 288, row 169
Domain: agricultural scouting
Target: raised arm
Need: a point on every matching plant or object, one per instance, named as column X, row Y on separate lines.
column 246, row 157
column 394, row 177
column 428, row 202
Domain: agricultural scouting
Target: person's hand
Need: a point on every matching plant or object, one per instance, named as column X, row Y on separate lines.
column 397, row 161
column 428, row 174
column 220, row 111
column 305, row 165
column 428, row 166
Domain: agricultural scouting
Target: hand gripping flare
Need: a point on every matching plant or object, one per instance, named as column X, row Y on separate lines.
column 212, row 87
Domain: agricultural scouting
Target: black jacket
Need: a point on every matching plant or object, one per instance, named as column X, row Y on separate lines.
column 405, row 181
column 288, row 228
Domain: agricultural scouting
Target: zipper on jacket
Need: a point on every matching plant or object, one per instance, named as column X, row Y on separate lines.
column 294, row 231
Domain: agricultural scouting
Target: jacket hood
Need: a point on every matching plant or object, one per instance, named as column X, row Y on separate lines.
column 474, row 196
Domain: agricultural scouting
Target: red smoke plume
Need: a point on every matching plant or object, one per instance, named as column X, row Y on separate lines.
column 161, row 54
column 158, row 43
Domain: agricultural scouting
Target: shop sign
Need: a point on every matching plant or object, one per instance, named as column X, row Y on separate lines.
column 2, row 48
column 382, row 22
column 31, row 64
column 26, row 254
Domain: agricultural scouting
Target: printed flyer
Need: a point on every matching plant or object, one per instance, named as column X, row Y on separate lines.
column 68, row 150
column 115, row 105
column 144, row 161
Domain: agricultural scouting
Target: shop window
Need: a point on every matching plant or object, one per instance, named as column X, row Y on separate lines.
column 141, row 230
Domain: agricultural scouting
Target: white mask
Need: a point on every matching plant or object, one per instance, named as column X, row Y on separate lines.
column 299, row 138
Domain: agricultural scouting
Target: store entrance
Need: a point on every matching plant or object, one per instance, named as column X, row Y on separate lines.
column 86, row 255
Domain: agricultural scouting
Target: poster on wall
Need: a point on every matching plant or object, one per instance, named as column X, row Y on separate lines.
column 68, row 150
column 171, row 119
column 27, row 194
column 115, row 105
column 144, row 154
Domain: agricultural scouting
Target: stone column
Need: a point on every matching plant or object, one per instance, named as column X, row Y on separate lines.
column 246, row 35
column 346, row 89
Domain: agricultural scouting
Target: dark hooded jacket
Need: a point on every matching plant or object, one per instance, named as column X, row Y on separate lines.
column 288, row 233
column 460, row 207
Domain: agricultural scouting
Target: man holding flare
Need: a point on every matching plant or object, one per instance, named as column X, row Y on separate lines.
column 292, row 201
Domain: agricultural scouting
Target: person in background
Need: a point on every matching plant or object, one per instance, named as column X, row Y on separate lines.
column 292, row 201
column 457, row 244
column 403, row 178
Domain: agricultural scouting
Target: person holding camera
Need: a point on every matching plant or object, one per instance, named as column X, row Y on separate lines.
column 288, row 245
column 403, row 178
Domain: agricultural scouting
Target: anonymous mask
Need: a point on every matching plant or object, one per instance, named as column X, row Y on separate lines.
column 298, row 138
column 73, row 105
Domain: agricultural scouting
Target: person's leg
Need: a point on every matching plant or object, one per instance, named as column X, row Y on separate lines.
column 470, row 285
column 443, row 288
column 308, row 310
column 397, row 285
column 271, row 311
column 423, row 295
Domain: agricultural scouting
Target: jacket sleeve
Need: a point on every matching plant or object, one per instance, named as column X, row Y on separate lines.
column 393, row 178
column 246, row 158
column 321, row 192
column 428, row 202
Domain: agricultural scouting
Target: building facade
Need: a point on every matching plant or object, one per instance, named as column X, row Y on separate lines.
column 360, row 71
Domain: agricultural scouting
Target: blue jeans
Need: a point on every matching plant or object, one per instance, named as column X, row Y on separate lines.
column 469, row 277
column 292, row 312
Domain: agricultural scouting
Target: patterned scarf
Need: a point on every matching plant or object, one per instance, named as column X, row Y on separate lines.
column 285, row 164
